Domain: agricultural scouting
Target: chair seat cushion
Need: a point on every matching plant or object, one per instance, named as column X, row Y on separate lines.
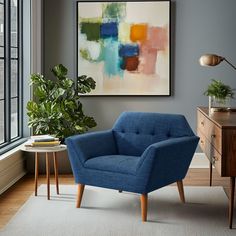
column 114, row 163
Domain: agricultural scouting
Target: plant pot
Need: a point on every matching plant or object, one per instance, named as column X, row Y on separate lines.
column 219, row 104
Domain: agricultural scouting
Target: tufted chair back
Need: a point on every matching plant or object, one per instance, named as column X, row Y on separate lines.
column 135, row 131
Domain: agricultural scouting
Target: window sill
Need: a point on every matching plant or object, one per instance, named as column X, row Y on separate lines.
column 11, row 149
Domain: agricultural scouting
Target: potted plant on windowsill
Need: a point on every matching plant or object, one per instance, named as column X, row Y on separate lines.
column 219, row 96
column 56, row 109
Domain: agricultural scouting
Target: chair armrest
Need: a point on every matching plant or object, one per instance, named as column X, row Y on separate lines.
column 168, row 159
column 91, row 145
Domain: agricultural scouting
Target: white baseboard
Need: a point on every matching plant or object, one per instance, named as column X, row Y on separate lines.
column 199, row 161
column 12, row 168
column 12, row 182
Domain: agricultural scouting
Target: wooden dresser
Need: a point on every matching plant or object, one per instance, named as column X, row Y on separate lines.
column 217, row 132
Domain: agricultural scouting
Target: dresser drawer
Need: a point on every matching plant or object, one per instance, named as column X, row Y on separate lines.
column 201, row 122
column 212, row 132
column 214, row 157
column 212, row 154
column 217, row 162
column 202, row 141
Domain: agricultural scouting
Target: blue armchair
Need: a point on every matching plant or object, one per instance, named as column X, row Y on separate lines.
column 141, row 153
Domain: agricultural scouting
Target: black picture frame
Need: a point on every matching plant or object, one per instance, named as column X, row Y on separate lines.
column 136, row 81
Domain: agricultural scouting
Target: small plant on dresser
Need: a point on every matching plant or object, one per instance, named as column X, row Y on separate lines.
column 219, row 95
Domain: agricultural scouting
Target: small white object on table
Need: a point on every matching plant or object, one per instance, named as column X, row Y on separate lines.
column 46, row 150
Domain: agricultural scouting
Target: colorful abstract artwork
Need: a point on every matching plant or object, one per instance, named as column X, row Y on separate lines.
column 125, row 46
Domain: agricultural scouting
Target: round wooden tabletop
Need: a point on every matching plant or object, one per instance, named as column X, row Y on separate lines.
column 58, row 148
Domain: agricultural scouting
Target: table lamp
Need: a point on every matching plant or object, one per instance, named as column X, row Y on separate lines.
column 214, row 60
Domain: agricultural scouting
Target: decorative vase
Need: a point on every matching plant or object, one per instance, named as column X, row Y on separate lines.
column 219, row 104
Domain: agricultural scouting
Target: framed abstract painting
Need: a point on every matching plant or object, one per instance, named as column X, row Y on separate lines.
column 125, row 46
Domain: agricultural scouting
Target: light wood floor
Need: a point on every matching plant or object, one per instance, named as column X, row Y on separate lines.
column 17, row 195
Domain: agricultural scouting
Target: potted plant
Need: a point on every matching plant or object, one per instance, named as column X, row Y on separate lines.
column 56, row 109
column 219, row 95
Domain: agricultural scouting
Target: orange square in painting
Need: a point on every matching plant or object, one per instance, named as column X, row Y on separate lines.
column 138, row 32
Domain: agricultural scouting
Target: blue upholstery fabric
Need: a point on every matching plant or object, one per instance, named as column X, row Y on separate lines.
column 167, row 161
column 142, row 152
column 135, row 131
column 94, row 144
column 114, row 163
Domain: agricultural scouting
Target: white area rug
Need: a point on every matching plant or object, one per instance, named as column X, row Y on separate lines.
column 107, row 212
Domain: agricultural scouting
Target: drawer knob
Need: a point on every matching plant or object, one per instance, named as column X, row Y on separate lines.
column 213, row 135
column 202, row 123
column 202, row 142
column 215, row 158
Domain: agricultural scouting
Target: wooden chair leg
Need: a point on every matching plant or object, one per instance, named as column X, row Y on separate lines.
column 181, row 190
column 144, row 203
column 79, row 194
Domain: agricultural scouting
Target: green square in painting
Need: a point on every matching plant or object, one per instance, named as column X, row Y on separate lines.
column 92, row 30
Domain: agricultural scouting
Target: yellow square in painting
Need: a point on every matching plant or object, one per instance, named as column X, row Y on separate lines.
column 138, row 32
column 124, row 32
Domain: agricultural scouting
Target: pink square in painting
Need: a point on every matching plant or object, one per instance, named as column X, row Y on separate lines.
column 148, row 57
column 158, row 37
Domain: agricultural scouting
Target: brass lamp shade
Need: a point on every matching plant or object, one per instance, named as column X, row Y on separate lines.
column 210, row 60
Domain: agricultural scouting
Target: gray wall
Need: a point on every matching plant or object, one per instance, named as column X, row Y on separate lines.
column 198, row 26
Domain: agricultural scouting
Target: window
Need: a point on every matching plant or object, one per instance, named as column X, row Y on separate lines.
column 10, row 71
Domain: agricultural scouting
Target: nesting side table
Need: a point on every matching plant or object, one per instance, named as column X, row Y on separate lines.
column 46, row 150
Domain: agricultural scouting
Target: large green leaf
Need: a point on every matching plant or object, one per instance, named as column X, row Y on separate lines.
column 85, row 84
column 60, row 71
